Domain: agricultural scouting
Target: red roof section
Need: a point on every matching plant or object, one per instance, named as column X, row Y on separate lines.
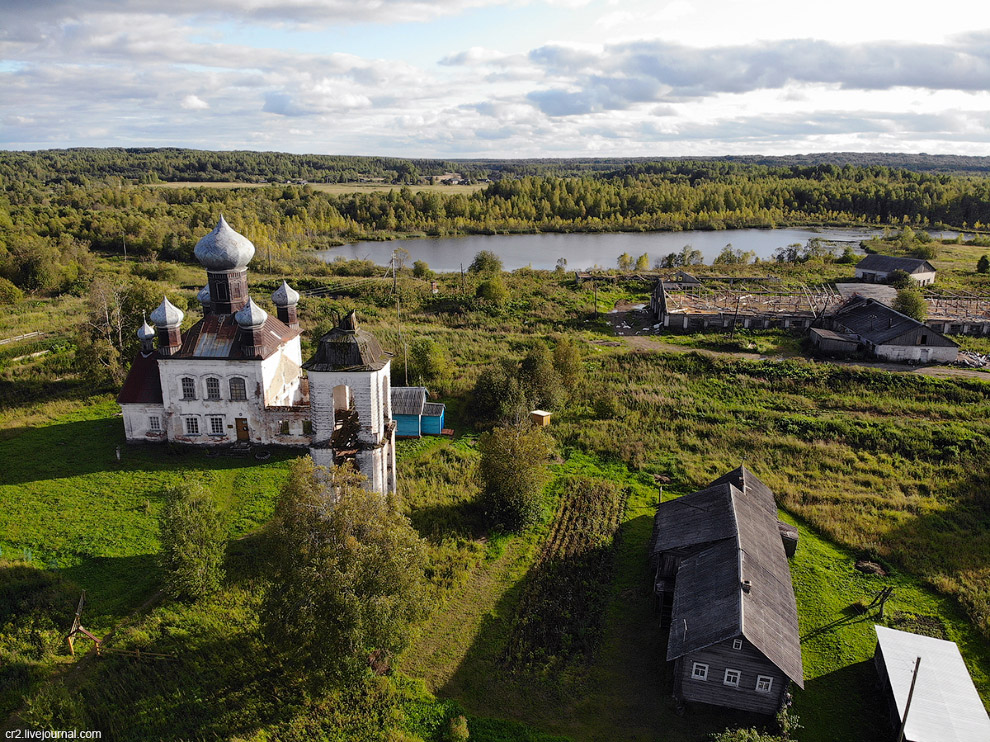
column 143, row 384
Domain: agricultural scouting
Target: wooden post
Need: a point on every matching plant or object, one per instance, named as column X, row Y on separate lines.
column 907, row 706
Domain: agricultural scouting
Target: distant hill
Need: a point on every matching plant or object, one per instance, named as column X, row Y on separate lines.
column 149, row 165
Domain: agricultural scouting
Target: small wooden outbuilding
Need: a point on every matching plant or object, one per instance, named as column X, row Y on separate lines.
column 414, row 416
column 945, row 705
column 540, row 417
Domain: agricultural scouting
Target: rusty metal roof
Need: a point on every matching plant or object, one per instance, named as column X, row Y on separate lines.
column 219, row 336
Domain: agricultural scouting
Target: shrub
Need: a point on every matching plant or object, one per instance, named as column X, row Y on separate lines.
column 513, row 472
column 10, row 294
column 900, row 279
column 193, row 537
column 910, row 301
column 486, row 262
column 493, row 291
column 983, row 264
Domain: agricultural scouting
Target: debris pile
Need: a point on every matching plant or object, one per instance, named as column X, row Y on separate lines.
column 973, row 360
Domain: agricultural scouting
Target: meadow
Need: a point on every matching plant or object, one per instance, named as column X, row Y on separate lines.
column 868, row 464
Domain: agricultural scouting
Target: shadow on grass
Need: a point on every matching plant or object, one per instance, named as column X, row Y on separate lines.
column 622, row 693
column 460, row 520
column 828, row 713
column 114, row 586
column 83, row 447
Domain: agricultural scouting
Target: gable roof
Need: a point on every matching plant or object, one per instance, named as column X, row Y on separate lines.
column 219, row 336
column 408, row 400
column 710, row 602
column 879, row 324
column 433, row 409
column 143, row 384
column 690, row 520
column 751, row 486
column 946, row 706
column 888, row 263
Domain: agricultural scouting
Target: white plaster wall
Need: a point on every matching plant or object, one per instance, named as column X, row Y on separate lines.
column 369, row 391
column 252, row 409
column 281, row 373
column 925, row 279
column 136, row 424
column 904, row 353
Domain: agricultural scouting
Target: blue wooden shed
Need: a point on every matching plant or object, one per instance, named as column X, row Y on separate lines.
column 407, row 410
column 414, row 416
column 432, row 421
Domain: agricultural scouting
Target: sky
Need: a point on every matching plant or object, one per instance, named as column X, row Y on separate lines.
column 497, row 78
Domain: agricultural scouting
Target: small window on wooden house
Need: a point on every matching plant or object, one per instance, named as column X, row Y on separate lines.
column 737, row 643
column 238, row 390
column 188, row 388
column 699, row 671
column 213, row 388
column 155, row 424
column 216, row 425
column 923, row 340
column 764, row 683
column 731, row 678
column 192, row 426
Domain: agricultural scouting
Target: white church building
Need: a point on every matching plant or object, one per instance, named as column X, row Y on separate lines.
column 236, row 375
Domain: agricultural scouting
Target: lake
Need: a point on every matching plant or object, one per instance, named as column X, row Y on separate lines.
column 585, row 250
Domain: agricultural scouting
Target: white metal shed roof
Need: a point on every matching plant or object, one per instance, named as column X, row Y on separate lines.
column 946, row 706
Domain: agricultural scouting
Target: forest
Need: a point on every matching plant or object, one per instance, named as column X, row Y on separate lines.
column 48, row 226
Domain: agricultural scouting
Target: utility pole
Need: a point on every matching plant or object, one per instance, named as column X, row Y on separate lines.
column 395, row 279
column 907, row 706
column 462, row 278
column 123, row 239
column 595, row 284
column 269, row 258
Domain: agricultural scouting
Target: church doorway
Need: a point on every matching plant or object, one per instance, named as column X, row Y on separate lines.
column 243, row 434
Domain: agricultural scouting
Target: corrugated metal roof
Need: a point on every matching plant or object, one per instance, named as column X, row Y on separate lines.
column 218, row 336
column 880, row 325
column 946, row 706
column 888, row 263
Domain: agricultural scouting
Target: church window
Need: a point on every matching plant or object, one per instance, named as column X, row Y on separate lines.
column 216, row 425
column 307, row 427
column 213, row 388
column 237, row 389
column 192, row 426
column 155, row 424
column 188, row 388
column 283, row 427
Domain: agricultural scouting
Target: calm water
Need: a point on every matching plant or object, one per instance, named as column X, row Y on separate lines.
column 582, row 251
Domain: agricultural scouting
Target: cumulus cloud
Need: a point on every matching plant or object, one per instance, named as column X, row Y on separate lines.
column 194, row 103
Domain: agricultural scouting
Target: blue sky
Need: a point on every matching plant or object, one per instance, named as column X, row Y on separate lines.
column 497, row 78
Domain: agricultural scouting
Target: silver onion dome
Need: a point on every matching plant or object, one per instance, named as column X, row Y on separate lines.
column 251, row 316
column 167, row 315
column 223, row 249
column 285, row 295
column 145, row 332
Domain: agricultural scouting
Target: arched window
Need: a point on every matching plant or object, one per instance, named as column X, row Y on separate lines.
column 212, row 388
column 237, row 389
column 188, row 388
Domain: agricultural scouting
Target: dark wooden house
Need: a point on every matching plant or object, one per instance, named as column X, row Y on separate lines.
column 723, row 583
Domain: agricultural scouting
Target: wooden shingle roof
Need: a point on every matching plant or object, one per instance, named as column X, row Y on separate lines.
column 741, row 584
column 408, row 400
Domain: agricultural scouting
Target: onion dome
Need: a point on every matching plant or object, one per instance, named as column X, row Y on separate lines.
column 223, row 249
column 167, row 315
column 146, row 333
column 251, row 316
column 285, row 295
column 204, row 295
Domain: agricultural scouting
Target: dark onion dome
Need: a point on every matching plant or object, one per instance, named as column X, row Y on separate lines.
column 251, row 316
column 167, row 315
column 285, row 296
column 223, row 249
column 145, row 332
column 346, row 348
column 204, row 295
